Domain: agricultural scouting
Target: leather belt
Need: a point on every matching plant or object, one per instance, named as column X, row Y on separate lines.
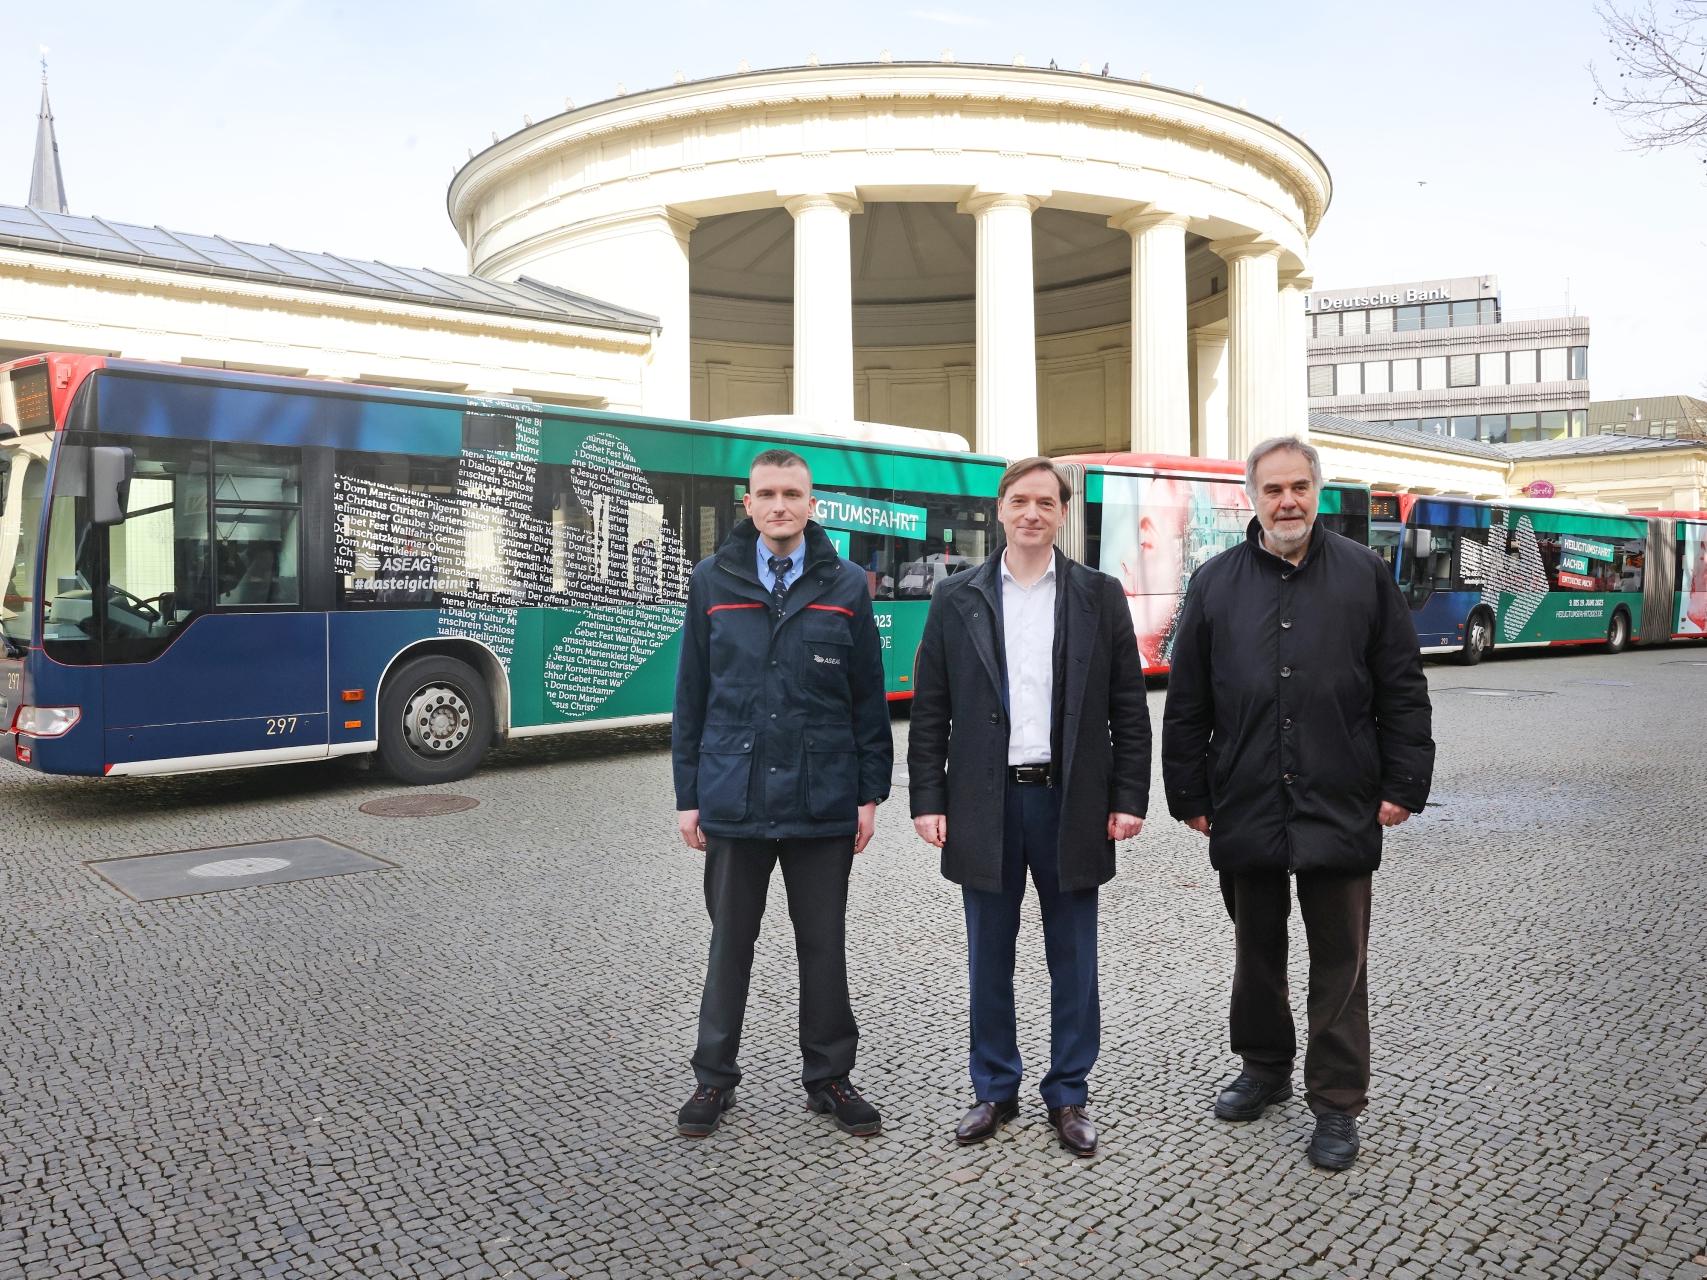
column 1028, row 773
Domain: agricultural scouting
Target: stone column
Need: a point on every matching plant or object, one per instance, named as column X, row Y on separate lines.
column 1210, row 392
column 1254, row 400
column 823, row 306
column 1161, row 397
column 1006, row 324
column 1295, row 353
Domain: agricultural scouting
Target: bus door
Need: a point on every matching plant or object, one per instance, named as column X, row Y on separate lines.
column 208, row 656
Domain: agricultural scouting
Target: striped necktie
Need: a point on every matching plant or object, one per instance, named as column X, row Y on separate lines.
column 780, row 565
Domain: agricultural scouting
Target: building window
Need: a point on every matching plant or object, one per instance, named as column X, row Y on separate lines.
column 1464, row 428
column 1321, row 380
column 1579, row 422
column 1489, row 311
column 1434, row 373
column 1671, row 431
column 1493, row 428
column 1436, row 425
column 1410, row 318
column 1553, row 364
column 1555, row 424
column 1492, row 368
column 1381, row 320
column 1375, row 377
column 1404, row 375
column 1437, row 315
column 1408, row 424
column 1522, row 368
column 1461, row 371
column 1522, row 428
column 1348, row 379
column 1579, row 362
column 1465, row 312
column 1354, row 323
column 1328, row 326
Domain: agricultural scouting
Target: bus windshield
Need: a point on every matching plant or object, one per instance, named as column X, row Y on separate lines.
column 23, row 487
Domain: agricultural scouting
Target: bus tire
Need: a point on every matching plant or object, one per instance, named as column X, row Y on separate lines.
column 1618, row 633
column 435, row 721
column 1478, row 637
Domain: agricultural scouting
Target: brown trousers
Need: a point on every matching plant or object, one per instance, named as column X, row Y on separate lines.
column 1336, row 925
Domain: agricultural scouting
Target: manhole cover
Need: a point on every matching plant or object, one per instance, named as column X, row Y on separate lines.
column 185, row 872
column 418, row 806
column 1496, row 693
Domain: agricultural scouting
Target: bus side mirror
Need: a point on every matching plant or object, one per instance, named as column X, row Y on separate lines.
column 110, row 470
column 1421, row 543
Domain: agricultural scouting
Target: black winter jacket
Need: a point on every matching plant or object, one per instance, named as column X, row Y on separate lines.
column 781, row 727
column 1296, row 704
column 957, row 747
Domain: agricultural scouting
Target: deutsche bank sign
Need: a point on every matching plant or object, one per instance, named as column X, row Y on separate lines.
column 1397, row 298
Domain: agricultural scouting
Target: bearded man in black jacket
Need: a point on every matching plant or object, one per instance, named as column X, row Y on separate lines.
column 1297, row 727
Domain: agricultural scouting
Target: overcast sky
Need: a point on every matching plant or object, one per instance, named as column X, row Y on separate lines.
column 1462, row 137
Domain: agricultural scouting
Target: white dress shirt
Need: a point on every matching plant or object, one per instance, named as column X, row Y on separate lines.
column 1028, row 633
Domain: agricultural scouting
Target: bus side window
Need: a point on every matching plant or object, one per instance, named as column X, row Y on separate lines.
column 257, row 494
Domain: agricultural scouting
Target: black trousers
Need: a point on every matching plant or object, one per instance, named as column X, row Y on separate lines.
column 737, row 880
column 1336, row 925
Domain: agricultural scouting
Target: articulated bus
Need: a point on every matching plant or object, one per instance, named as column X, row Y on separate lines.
column 1531, row 573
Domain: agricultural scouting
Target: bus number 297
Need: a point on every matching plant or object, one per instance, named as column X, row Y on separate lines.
column 282, row 724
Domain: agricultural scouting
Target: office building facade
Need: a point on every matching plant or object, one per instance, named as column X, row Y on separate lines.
column 1448, row 358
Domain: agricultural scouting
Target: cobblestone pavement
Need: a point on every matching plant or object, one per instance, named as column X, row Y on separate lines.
column 469, row 1065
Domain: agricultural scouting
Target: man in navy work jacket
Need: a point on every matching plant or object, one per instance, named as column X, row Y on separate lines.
column 1297, row 728
column 1030, row 748
column 782, row 753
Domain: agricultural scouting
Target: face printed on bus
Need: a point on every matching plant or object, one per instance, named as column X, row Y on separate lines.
column 779, row 500
column 1286, row 500
column 1031, row 511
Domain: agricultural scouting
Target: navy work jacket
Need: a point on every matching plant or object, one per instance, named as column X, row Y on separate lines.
column 1296, row 704
column 781, row 724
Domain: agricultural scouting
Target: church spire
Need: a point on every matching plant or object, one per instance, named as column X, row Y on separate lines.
column 47, row 184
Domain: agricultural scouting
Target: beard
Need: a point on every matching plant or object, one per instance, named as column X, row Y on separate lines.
column 1282, row 542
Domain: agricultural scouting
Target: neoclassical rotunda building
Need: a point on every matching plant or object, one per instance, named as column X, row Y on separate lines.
column 1037, row 260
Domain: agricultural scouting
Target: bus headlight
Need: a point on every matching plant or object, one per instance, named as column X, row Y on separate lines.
column 46, row 722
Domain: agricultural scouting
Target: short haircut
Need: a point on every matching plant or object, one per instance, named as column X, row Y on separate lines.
column 1025, row 466
column 1275, row 445
column 777, row 458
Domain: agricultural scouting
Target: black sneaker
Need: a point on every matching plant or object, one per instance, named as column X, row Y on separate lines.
column 1247, row 1097
column 700, row 1114
column 1334, row 1145
column 840, row 1099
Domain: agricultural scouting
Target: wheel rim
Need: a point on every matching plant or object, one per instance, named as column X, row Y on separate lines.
column 1478, row 635
column 436, row 721
column 1618, row 630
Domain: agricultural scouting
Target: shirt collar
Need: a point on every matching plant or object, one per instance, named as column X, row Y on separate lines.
column 796, row 558
column 1048, row 574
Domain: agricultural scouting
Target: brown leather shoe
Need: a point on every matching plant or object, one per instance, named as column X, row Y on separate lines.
column 1075, row 1129
column 984, row 1119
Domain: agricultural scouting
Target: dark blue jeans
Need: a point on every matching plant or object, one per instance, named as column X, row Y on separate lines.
column 1033, row 815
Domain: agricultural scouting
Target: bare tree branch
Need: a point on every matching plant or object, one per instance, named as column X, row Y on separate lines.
column 1657, row 82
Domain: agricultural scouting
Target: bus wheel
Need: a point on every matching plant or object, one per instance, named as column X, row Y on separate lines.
column 1618, row 634
column 435, row 721
column 1478, row 638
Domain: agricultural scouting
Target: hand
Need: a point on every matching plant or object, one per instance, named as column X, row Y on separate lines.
column 1123, row 826
column 932, row 828
column 867, row 824
column 1199, row 824
column 1391, row 814
column 687, row 821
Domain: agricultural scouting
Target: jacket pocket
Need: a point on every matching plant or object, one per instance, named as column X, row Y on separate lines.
column 826, row 644
column 725, row 772
column 832, row 771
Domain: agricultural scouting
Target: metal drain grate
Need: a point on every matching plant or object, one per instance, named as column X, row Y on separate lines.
column 418, row 806
column 186, row 872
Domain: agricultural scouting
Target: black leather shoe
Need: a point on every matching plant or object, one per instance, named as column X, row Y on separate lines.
column 1075, row 1129
column 984, row 1119
column 701, row 1113
column 1334, row 1145
column 853, row 1113
column 1247, row 1097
